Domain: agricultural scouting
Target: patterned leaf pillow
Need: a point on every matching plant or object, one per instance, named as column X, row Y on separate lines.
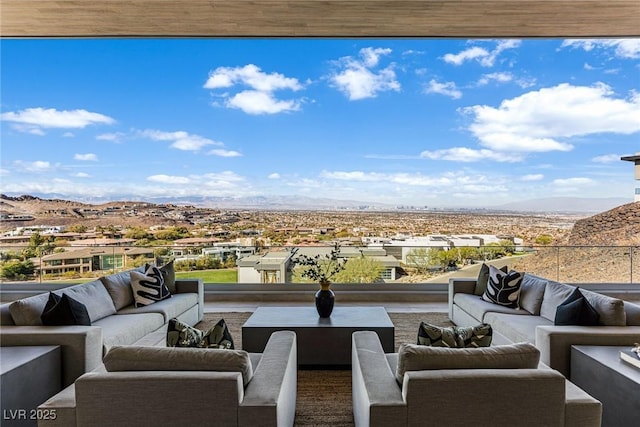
column 148, row 287
column 503, row 288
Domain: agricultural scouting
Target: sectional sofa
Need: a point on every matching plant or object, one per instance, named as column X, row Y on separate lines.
column 114, row 320
column 533, row 322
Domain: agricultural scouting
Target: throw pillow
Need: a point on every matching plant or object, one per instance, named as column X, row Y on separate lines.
column 483, row 278
column 474, row 336
column 218, row 337
column 576, row 310
column 436, row 336
column 503, row 288
column 182, row 335
column 149, row 287
column 454, row 336
column 168, row 274
column 64, row 310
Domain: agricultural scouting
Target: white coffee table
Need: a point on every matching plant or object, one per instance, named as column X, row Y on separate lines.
column 321, row 341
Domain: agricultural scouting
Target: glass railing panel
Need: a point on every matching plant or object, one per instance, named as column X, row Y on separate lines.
column 364, row 265
column 602, row 264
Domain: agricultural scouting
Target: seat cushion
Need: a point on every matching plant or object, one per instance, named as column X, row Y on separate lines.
column 169, row 308
column 478, row 308
column 516, row 328
column 128, row 328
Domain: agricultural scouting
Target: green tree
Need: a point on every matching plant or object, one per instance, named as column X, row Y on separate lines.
column 77, row 228
column 422, row 258
column 360, row 270
column 544, row 239
column 17, row 270
column 138, row 233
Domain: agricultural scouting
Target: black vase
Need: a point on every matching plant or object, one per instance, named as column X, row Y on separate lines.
column 324, row 302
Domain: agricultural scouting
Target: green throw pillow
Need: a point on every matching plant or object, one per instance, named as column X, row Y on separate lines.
column 454, row 336
column 180, row 334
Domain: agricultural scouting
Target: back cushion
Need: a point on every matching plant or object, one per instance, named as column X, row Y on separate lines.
column 137, row 358
column 611, row 310
column 412, row 357
column 27, row 311
column 119, row 287
column 94, row 296
column 531, row 293
column 633, row 313
column 554, row 295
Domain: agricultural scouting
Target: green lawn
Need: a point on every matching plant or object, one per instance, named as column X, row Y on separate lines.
column 229, row 275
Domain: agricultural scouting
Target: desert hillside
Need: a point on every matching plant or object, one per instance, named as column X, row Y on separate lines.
column 615, row 232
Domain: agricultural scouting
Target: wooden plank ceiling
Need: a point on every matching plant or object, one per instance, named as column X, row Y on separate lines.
column 319, row 18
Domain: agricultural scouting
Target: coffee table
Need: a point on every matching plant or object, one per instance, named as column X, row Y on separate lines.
column 321, row 341
column 599, row 371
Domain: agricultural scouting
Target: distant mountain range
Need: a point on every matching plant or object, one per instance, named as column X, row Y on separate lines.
column 565, row 204
column 545, row 205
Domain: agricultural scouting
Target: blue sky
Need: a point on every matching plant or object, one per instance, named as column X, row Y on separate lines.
column 413, row 122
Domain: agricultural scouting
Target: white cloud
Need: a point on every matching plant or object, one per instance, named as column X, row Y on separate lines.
column 256, row 102
column 357, row 78
column 622, row 48
column 113, row 137
column 466, row 55
column 36, row 166
column 540, row 121
column 533, row 177
column 259, row 98
column 180, row 140
column 462, row 154
column 168, row 179
column 566, row 182
column 447, row 88
column 68, row 135
column 484, row 57
column 495, row 77
column 4, row 172
column 252, row 76
column 371, row 56
column 88, row 157
column 32, row 120
column 82, row 175
column 274, row 175
column 224, row 153
column 606, row 158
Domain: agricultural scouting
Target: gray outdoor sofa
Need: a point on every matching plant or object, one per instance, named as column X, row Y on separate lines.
column 501, row 386
column 114, row 320
column 172, row 386
column 534, row 321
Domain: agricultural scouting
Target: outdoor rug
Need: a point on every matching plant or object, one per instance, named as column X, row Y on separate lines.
column 324, row 396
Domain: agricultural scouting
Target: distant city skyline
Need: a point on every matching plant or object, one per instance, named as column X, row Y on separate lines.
column 420, row 122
